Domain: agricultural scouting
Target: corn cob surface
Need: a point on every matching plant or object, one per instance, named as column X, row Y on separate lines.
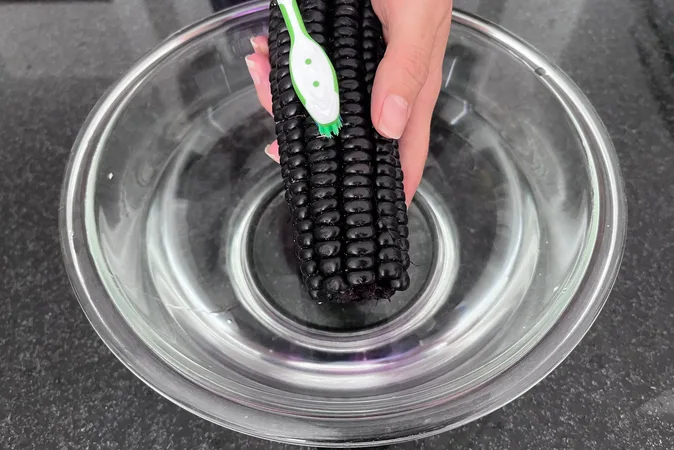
column 345, row 194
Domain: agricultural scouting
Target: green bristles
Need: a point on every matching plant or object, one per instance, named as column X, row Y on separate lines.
column 331, row 129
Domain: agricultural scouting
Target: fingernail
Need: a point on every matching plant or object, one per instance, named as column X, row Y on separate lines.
column 252, row 68
column 255, row 45
column 394, row 116
column 273, row 157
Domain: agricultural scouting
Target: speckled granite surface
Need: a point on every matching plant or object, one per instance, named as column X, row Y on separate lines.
column 61, row 388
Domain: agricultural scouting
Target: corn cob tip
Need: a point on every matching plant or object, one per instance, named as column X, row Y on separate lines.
column 355, row 294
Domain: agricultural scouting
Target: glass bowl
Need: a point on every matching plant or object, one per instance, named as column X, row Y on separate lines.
column 177, row 241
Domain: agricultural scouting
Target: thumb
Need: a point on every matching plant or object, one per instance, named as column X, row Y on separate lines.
column 403, row 71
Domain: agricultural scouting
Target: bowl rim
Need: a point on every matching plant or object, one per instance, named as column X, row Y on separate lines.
column 537, row 363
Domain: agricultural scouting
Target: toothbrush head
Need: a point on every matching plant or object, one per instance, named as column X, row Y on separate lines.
column 330, row 129
column 312, row 72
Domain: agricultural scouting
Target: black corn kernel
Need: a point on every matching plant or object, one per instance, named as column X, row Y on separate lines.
column 327, row 233
column 330, row 266
column 336, row 284
column 386, row 239
column 356, row 156
column 296, row 160
column 299, row 200
column 402, row 217
column 386, row 195
column 327, row 206
column 305, row 240
column 315, row 282
column 386, row 208
column 360, row 263
column 385, row 182
column 357, row 206
column 385, row 169
column 387, row 223
column 305, row 254
column 358, row 220
column 358, row 169
column 390, row 254
column 323, row 179
column 300, row 214
column 345, row 52
column 328, row 249
column 353, row 121
column 357, row 193
column 359, row 143
column 323, row 155
column 360, row 233
column 361, row 248
column 328, row 218
column 401, row 283
column 298, row 188
column 355, row 181
column 309, row 268
column 390, row 270
column 293, row 147
column 304, row 225
column 362, row 278
column 345, row 193
column 325, row 166
column 406, row 260
column 323, row 193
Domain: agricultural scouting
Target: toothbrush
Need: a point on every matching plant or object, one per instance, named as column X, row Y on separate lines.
column 312, row 73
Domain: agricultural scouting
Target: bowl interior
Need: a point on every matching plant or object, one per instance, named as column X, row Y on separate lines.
column 187, row 236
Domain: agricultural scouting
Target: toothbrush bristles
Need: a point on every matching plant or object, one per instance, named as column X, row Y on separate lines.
column 330, row 130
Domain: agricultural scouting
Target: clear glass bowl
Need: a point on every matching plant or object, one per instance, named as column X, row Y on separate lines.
column 176, row 238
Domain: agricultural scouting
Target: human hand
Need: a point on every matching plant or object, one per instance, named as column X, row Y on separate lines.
column 407, row 83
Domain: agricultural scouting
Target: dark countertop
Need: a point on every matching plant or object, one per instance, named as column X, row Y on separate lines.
column 61, row 388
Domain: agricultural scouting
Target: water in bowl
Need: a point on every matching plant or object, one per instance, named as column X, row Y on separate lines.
column 197, row 237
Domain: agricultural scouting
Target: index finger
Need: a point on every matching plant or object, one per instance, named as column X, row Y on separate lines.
column 415, row 140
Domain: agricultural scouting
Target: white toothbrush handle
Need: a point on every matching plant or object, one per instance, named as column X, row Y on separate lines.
column 291, row 16
column 312, row 73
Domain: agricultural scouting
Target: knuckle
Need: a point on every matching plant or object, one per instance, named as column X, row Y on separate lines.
column 415, row 67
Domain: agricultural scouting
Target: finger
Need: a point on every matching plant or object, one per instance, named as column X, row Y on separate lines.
column 402, row 73
column 415, row 140
column 272, row 151
column 259, row 69
column 260, row 45
column 258, row 66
